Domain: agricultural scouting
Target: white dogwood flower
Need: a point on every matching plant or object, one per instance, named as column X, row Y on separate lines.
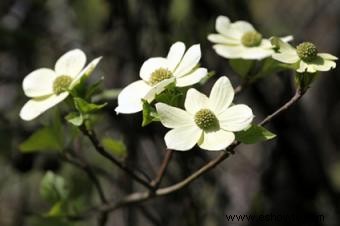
column 305, row 56
column 158, row 72
column 209, row 122
column 240, row 40
column 48, row 87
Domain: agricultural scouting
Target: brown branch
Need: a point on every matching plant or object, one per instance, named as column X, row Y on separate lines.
column 99, row 148
column 238, row 89
column 156, row 182
column 90, row 173
column 82, row 164
column 297, row 96
column 139, row 197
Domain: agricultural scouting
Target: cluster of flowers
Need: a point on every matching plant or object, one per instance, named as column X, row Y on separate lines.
column 210, row 121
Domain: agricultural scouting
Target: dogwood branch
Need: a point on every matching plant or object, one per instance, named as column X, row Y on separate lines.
column 139, row 197
column 99, row 148
column 92, row 176
column 155, row 183
column 297, row 96
column 90, row 173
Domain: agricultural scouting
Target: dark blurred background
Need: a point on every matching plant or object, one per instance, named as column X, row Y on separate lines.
column 297, row 173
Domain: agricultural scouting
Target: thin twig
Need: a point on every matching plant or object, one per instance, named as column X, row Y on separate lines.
column 139, row 197
column 238, row 89
column 80, row 163
column 298, row 94
column 90, row 173
column 155, row 183
column 94, row 140
column 242, row 86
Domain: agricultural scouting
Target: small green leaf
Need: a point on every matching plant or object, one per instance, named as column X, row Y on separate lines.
column 82, row 89
column 241, row 66
column 44, row 139
column 53, row 188
column 254, row 134
column 85, row 107
column 110, row 94
column 268, row 67
column 149, row 114
column 275, row 41
column 173, row 95
column 93, row 89
column 206, row 78
column 57, row 126
column 75, row 118
column 305, row 79
column 58, row 209
column 117, row 147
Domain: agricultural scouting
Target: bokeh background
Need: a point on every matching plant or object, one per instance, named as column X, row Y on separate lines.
column 297, row 173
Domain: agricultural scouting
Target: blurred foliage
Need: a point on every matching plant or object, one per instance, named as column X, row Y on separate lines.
column 117, row 147
column 53, row 188
column 43, row 139
column 298, row 172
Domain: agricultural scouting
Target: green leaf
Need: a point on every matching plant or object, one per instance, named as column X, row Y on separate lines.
column 93, row 89
column 254, row 134
column 75, row 118
column 305, row 79
column 206, row 78
column 241, row 66
column 275, row 41
column 117, row 147
column 58, row 209
column 53, row 188
column 85, row 91
column 85, row 107
column 57, row 126
column 269, row 67
column 44, row 139
column 110, row 94
column 172, row 95
column 149, row 114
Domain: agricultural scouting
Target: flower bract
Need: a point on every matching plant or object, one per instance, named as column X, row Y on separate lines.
column 47, row 87
column 179, row 67
column 240, row 40
column 305, row 57
column 209, row 122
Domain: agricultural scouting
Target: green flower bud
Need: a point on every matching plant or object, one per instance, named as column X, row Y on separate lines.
column 206, row 120
column 307, row 51
column 251, row 39
column 159, row 75
column 61, row 84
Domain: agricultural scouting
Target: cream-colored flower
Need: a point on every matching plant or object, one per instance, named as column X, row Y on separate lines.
column 158, row 72
column 48, row 87
column 305, row 56
column 240, row 40
column 209, row 122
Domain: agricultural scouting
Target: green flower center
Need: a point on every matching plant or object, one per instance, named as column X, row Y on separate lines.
column 251, row 39
column 307, row 51
column 206, row 120
column 61, row 84
column 159, row 75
